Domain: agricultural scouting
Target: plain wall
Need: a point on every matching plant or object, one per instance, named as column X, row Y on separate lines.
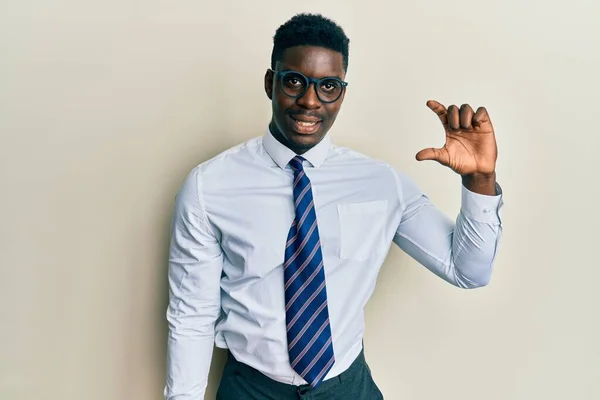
column 105, row 106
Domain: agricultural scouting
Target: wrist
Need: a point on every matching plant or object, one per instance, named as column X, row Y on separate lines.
column 480, row 183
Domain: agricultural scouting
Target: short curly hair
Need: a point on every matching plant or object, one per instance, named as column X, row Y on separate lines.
column 309, row 30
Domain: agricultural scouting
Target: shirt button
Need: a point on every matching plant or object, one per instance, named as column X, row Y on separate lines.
column 486, row 210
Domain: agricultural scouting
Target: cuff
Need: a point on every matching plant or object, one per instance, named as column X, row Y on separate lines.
column 482, row 208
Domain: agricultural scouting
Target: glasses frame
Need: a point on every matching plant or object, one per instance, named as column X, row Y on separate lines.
column 282, row 74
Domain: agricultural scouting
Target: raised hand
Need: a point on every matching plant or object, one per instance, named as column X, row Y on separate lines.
column 470, row 147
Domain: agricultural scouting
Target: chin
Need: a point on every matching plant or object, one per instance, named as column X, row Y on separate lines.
column 303, row 141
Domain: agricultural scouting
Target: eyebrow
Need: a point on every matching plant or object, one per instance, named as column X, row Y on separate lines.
column 294, row 70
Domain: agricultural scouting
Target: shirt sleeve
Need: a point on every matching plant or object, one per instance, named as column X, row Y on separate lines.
column 195, row 265
column 462, row 252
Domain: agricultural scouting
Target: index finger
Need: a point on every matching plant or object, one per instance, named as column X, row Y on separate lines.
column 440, row 110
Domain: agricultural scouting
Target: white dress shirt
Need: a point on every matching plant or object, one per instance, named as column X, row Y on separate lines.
column 229, row 232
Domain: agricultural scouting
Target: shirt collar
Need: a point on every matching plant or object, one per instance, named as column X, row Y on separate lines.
column 282, row 154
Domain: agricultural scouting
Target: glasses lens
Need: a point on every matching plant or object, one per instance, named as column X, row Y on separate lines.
column 329, row 89
column 293, row 84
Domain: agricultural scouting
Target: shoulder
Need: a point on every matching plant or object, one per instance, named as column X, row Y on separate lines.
column 229, row 158
column 220, row 165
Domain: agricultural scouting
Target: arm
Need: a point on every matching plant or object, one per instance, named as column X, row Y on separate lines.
column 195, row 265
column 482, row 184
column 461, row 252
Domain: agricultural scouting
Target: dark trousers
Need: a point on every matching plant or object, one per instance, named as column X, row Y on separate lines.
column 241, row 382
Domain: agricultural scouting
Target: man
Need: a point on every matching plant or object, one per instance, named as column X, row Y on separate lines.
column 277, row 242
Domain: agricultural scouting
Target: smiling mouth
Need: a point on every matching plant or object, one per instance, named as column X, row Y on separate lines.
column 305, row 126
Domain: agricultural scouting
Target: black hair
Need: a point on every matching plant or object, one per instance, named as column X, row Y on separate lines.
column 309, row 30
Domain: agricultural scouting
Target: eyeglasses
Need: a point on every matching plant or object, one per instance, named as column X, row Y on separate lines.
column 294, row 85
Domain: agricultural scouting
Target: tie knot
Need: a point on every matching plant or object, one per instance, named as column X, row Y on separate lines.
column 296, row 163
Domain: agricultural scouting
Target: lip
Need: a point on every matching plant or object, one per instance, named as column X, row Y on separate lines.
column 305, row 118
column 305, row 125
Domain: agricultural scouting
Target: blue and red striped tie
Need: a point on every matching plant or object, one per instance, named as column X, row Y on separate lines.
column 308, row 329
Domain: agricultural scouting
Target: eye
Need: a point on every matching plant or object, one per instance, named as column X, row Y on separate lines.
column 293, row 81
column 330, row 85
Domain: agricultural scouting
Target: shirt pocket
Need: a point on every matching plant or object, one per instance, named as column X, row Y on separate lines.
column 362, row 229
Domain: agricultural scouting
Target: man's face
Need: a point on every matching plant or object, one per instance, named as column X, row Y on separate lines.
column 301, row 123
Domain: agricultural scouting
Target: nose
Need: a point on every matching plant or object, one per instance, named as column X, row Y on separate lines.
column 309, row 99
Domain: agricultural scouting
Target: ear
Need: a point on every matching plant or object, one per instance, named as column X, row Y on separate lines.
column 269, row 83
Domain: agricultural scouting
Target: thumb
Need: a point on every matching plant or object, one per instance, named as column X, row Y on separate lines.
column 439, row 155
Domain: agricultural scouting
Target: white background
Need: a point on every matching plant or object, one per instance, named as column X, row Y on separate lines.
column 106, row 105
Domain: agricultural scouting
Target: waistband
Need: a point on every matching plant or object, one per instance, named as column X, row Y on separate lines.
column 262, row 380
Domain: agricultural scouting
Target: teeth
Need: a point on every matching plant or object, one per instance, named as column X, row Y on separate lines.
column 304, row 123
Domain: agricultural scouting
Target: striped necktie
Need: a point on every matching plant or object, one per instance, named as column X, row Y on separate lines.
column 308, row 330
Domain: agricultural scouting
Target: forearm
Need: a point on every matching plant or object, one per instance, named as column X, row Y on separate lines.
column 461, row 252
column 194, row 307
column 480, row 184
column 190, row 346
column 475, row 239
